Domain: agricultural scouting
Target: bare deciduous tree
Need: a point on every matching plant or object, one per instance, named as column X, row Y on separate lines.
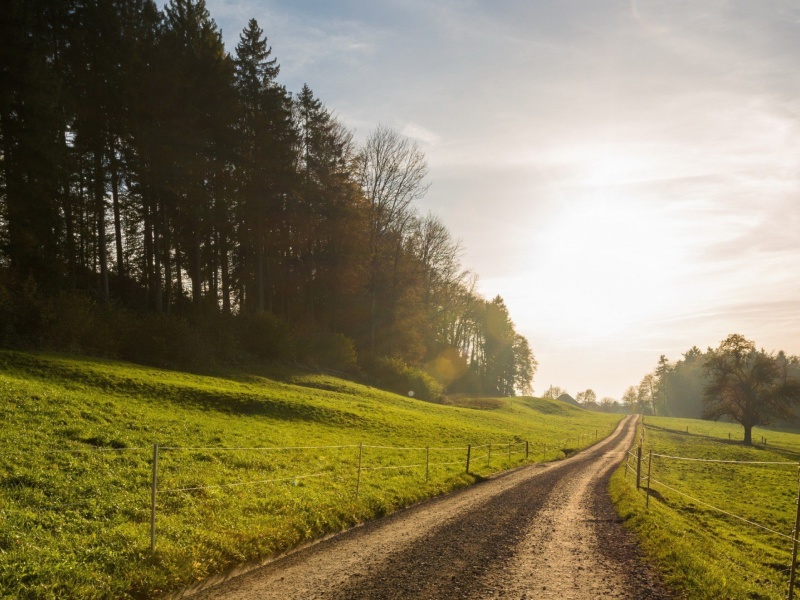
column 392, row 171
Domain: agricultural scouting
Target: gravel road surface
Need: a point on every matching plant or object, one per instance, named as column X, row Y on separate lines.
column 540, row 531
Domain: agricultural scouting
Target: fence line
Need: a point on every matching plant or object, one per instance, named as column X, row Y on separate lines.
column 242, row 483
column 730, row 462
column 651, row 480
column 257, row 448
column 395, row 467
column 337, row 464
column 72, row 451
column 725, row 512
column 404, row 448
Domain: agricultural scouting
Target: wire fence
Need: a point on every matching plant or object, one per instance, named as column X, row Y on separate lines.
column 642, row 466
column 144, row 484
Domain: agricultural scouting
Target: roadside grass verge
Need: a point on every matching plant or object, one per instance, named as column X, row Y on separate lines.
column 75, row 466
column 702, row 552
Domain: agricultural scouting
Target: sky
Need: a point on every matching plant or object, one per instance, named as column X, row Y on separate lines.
column 625, row 173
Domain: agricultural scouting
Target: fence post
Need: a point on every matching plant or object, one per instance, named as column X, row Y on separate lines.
column 427, row 462
column 358, row 477
column 638, row 467
column 649, row 465
column 469, row 451
column 794, row 542
column 527, row 449
column 489, row 456
column 153, row 492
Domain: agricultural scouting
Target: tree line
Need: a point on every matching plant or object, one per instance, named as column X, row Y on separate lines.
column 735, row 381
column 586, row 399
column 145, row 171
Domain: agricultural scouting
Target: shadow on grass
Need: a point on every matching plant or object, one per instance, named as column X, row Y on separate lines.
column 729, row 442
column 49, row 370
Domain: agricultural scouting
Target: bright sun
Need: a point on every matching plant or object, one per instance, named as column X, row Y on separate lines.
column 607, row 262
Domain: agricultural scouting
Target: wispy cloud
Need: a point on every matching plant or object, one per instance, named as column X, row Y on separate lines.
column 626, row 174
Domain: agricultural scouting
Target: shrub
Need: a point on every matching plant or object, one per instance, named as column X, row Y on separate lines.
column 263, row 335
column 395, row 375
column 164, row 341
column 79, row 324
column 320, row 347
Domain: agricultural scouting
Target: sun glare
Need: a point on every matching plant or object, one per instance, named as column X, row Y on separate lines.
column 608, row 262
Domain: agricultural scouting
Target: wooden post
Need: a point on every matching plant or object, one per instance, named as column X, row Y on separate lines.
column 153, row 493
column 795, row 533
column 469, row 451
column 649, row 465
column 358, row 476
column 427, row 463
column 527, row 449
column 638, row 467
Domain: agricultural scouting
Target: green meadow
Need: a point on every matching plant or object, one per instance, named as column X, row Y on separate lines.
column 249, row 465
column 702, row 551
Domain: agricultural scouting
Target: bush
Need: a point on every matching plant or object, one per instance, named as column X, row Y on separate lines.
column 79, row 324
column 164, row 341
column 322, row 348
column 23, row 312
column 395, row 375
column 262, row 335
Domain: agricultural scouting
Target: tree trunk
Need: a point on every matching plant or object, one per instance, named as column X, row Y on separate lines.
column 69, row 219
column 224, row 267
column 260, row 270
column 157, row 281
column 117, row 218
column 748, row 435
column 197, row 270
column 99, row 197
column 167, row 263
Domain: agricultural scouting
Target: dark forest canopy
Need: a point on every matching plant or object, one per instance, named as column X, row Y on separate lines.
column 161, row 197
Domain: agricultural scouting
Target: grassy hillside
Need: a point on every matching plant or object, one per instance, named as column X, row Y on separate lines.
column 706, row 553
column 76, row 463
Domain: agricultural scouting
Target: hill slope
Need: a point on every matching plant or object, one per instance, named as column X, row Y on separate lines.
column 236, row 478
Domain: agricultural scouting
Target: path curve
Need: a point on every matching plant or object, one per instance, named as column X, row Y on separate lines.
column 540, row 531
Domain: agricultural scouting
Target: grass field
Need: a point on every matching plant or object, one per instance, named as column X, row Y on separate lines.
column 76, row 463
column 703, row 552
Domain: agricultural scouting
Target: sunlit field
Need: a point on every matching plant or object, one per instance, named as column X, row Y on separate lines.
column 248, row 466
column 716, row 529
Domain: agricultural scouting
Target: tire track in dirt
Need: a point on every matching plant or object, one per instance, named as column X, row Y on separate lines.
column 535, row 532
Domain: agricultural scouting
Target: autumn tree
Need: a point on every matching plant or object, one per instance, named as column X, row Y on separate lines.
column 752, row 387
column 138, row 158
column 588, row 398
column 392, row 171
column 630, row 399
column 553, row 392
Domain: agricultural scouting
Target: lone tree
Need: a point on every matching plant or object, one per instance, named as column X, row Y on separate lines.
column 751, row 386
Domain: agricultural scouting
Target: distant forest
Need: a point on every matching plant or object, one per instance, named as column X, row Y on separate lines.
column 682, row 388
column 166, row 201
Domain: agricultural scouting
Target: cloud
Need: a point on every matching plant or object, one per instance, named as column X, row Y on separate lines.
column 680, row 120
column 420, row 133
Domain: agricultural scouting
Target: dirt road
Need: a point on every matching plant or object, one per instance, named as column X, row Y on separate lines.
column 536, row 532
